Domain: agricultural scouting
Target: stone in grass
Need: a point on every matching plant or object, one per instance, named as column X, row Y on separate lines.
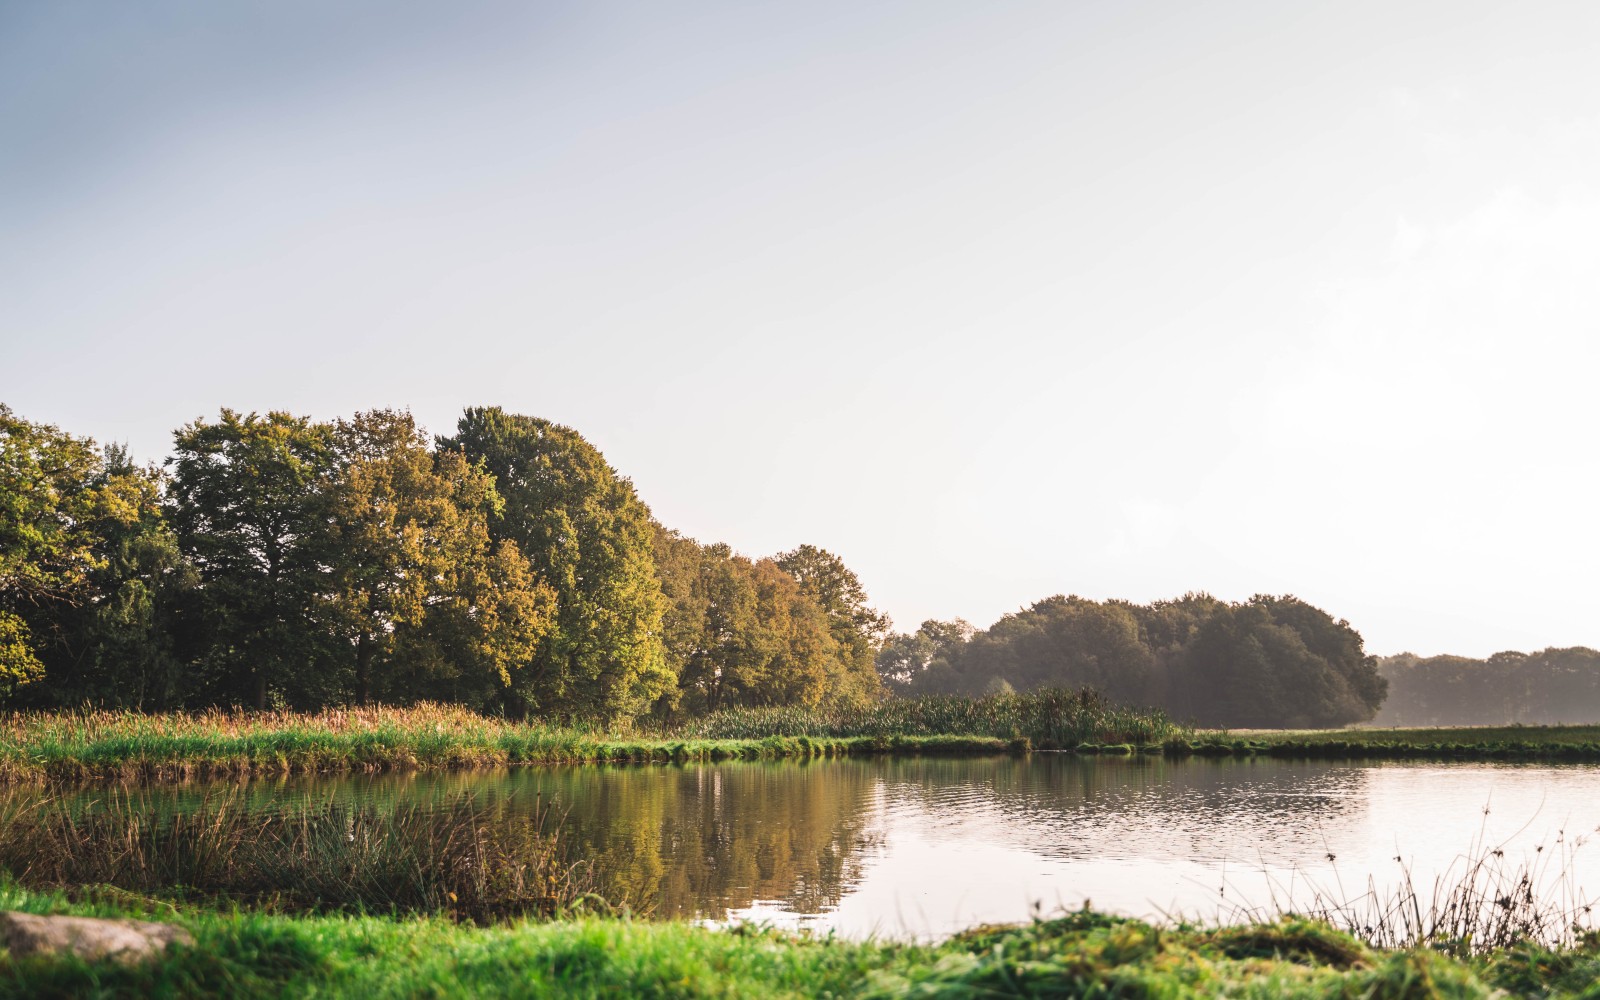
column 127, row 941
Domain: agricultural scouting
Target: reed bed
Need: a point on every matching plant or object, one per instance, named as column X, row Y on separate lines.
column 128, row 746
column 460, row 860
column 1044, row 719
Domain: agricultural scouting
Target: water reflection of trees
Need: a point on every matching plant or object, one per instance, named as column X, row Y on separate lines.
column 1076, row 807
column 703, row 840
column 699, row 841
column 676, row 840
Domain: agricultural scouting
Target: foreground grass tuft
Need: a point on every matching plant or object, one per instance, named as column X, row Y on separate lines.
column 1078, row 955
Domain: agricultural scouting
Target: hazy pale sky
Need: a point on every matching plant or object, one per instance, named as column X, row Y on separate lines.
column 995, row 300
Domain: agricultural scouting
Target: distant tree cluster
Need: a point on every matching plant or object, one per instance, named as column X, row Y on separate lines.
column 1267, row 662
column 279, row 561
column 1550, row 687
column 794, row 629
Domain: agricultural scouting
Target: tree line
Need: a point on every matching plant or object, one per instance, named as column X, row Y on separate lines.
column 1549, row 687
column 1265, row 662
column 274, row 560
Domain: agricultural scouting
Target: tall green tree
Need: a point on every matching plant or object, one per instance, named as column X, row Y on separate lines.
column 120, row 646
column 90, row 574
column 428, row 604
column 49, row 494
column 250, row 505
column 590, row 538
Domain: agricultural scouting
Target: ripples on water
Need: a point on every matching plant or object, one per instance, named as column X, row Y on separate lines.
column 925, row 846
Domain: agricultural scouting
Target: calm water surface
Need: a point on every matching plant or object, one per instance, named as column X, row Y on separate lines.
column 925, row 846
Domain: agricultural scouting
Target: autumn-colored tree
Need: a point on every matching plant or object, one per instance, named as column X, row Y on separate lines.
column 744, row 632
column 858, row 629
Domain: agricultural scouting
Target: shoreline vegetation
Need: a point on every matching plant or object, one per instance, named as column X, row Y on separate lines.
column 133, row 747
column 252, row 954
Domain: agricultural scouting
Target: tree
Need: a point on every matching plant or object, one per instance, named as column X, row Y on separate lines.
column 856, row 627
column 249, row 503
column 904, row 661
column 428, row 604
column 48, row 497
column 806, row 664
column 1275, row 661
column 1342, row 683
column 1057, row 642
column 119, row 645
column 743, row 632
column 586, row 534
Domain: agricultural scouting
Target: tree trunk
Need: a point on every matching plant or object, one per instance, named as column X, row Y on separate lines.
column 363, row 669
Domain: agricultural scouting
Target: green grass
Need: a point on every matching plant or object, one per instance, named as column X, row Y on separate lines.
column 1531, row 743
column 127, row 746
column 1077, row 955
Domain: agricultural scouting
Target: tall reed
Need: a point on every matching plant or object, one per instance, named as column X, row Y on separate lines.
column 1484, row 901
column 1047, row 718
column 462, row 859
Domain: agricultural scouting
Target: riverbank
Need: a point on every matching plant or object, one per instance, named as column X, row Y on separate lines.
column 129, row 746
column 244, row 954
column 1513, row 743
column 176, row 748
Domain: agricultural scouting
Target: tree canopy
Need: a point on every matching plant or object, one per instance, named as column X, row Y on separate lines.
column 591, row 540
column 1553, row 686
column 1270, row 661
column 429, row 605
column 746, row 632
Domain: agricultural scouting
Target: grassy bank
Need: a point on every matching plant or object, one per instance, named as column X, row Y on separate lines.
column 77, row 746
column 1531, row 743
column 127, row 746
column 1083, row 954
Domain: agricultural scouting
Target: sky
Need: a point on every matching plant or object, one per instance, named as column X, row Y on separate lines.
column 994, row 300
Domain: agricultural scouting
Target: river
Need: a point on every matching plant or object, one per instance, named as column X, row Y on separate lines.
column 921, row 847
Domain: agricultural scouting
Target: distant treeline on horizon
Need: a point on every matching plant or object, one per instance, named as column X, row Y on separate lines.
column 1551, row 687
column 279, row 561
